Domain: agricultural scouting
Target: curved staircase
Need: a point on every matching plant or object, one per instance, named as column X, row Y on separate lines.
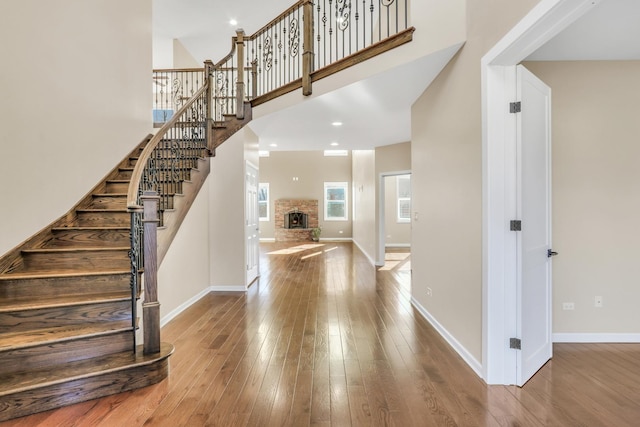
column 66, row 328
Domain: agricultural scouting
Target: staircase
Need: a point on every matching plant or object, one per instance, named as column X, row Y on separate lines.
column 68, row 295
column 66, row 327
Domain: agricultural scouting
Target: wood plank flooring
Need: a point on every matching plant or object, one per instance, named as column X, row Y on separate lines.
column 323, row 339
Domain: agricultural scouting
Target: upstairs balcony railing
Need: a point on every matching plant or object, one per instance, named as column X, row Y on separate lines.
column 307, row 42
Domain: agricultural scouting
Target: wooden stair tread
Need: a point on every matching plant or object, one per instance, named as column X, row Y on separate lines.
column 34, row 379
column 29, row 303
column 75, row 249
column 46, row 336
column 109, row 195
column 59, row 274
column 77, row 228
column 98, row 210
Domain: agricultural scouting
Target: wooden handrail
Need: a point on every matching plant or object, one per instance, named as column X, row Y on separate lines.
column 178, row 70
column 134, row 185
column 229, row 55
column 276, row 19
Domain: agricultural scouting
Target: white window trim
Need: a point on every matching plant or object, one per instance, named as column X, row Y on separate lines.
column 268, row 217
column 399, row 219
column 345, row 186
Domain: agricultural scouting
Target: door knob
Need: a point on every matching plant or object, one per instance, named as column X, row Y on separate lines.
column 551, row 253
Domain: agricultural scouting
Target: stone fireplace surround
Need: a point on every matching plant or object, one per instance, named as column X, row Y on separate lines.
column 284, row 206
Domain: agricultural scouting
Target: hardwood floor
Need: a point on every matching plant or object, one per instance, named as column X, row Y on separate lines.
column 323, row 339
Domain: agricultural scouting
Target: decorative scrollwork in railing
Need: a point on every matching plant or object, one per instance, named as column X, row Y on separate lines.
column 171, row 89
column 362, row 23
column 164, row 164
column 343, row 13
column 294, row 38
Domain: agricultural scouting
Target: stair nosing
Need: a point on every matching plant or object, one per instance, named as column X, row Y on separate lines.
column 101, row 210
column 72, row 228
column 50, row 341
column 43, row 275
column 117, row 297
column 76, row 249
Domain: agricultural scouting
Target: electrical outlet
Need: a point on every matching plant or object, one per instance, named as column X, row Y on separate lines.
column 429, row 292
column 568, row 306
column 597, row 302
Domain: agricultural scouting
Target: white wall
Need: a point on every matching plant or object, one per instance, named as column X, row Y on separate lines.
column 76, row 97
column 364, row 201
column 596, row 194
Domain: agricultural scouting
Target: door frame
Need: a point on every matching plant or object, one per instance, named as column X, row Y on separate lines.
column 499, row 184
column 247, row 280
column 380, row 256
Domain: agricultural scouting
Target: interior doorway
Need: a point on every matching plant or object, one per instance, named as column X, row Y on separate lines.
column 394, row 214
column 501, row 265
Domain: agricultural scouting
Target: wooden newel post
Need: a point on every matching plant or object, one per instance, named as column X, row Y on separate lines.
column 208, row 131
column 240, row 81
column 151, row 306
column 307, row 47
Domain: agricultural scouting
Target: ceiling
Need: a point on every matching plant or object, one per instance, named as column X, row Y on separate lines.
column 375, row 111
column 610, row 31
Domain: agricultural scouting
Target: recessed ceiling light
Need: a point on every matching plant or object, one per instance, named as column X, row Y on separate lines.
column 233, row 22
column 273, row 145
column 337, row 123
column 334, row 144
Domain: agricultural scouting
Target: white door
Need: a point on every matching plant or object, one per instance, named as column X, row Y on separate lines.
column 534, row 240
column 251, row 220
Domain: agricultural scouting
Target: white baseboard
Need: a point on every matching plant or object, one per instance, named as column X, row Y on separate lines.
column 595, row 338
column 229, row 288
column 336, row 239
column 397, row 245
column 267, row 239
column 454, row 343
column 182, row 307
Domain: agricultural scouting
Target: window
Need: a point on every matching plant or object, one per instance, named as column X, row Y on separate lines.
column 335, row 201
column 336, row 153
column 263, row 201
column 404, row 197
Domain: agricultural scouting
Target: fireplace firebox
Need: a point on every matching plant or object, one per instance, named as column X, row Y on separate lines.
column 295, row 219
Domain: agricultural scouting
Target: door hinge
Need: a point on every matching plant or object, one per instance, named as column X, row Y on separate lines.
column 516, row 225
column 515, row 107
column 515, row 343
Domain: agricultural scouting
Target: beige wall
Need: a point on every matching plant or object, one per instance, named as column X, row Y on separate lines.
column 226, row 210
column 446, row 162
column 364, row 201
column 182, row 58
column 184, row 273
column 396, row 233
column 596, row 193
column 312, row 169
column 75, row 99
